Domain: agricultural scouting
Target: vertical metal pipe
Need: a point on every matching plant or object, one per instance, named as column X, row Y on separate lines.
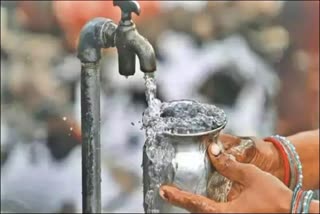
column 90, row 124
column 96, row 34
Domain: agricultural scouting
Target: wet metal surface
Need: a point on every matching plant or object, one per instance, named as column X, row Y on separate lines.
column 96, row 34
column 130, row 43
column 91, row 160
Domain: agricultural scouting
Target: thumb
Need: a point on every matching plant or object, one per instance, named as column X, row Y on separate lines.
column 227, row 166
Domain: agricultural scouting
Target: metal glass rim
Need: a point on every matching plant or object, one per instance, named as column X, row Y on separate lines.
column 197, row 134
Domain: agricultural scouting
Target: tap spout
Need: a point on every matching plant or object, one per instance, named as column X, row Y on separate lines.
column 145, row 53
column 129, row 44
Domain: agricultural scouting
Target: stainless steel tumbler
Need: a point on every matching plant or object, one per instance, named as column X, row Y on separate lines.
column 190, row 169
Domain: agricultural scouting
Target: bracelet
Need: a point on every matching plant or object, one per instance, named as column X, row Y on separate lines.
column 293, row 176
column 297, row 173
column 301, row 200
column 292, row 165
column 296, row 201
column 307, row 201
column 284, row 157
column 293, row 169
column 293, row 201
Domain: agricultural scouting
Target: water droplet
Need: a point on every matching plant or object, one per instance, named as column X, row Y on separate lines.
column 132, row 123
column 64, row 118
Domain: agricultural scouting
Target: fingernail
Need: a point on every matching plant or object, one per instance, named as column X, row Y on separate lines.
column 163, row 195
column 215, row 149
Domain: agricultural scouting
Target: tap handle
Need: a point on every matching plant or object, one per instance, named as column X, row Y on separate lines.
column 127, row 7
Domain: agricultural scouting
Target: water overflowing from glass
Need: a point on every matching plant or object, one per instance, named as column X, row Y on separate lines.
column 182, row 117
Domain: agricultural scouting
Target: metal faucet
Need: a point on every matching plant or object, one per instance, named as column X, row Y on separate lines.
column 97, row 34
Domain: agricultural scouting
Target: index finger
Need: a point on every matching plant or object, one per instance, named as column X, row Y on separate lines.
column 191, row 202
column 229, row 141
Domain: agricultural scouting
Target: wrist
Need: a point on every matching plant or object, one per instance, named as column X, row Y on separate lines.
column 314, row 206
column 285, row 202
column 275, row 158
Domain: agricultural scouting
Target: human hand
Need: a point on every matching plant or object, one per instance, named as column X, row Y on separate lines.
column 260, row 191
column 250, row 150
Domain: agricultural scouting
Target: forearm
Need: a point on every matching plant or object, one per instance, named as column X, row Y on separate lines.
column 307, row 147
column 314, row 207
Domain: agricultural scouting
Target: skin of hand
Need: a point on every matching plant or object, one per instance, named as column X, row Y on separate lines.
column 261, row 191
column 261, row 154
column 265, row 156
column 307, row 147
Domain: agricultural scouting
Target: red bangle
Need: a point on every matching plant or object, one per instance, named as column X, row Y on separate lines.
column 284, row 157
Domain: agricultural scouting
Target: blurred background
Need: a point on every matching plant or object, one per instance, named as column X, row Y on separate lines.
column 258, row 60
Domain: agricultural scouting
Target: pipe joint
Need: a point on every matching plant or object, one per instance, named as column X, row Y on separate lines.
column 96, row 34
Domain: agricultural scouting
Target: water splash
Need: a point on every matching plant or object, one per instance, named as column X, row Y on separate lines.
column 177, row 117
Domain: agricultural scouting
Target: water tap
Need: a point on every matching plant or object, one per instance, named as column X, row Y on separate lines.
column 103, row 33
column 130, row 43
